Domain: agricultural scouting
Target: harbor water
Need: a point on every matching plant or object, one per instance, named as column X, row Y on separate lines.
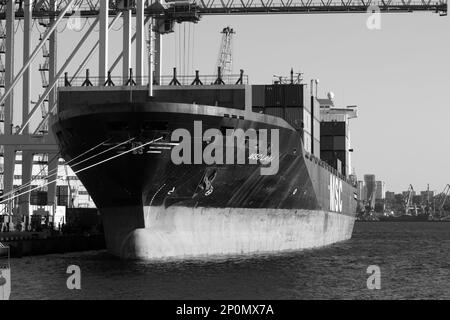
column 413, row 259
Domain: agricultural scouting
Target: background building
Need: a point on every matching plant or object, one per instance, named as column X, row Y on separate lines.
column 390, row 196
column 361, row 191
column 426, row 196
column 380, row 190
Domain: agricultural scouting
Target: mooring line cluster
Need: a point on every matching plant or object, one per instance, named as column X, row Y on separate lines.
column 78, row 163
column 51, row 172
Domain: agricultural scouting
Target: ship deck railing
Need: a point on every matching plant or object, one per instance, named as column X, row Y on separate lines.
column 330, row 168
column 174, row 80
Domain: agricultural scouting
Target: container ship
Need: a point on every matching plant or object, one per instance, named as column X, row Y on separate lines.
column 267, row 168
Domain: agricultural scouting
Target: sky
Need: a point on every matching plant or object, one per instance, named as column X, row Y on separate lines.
column 399, row 76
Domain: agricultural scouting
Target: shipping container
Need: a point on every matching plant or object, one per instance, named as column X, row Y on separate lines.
column 62, row 190
column 258, row 96
column 326, row 143
column 294, row 116
column 62, row 200
column 333, row 158
column 83, row 218
column 274, row 96
column 339, row 143
column 293, row 95
column 327, row 155
column 277, row 112
column 62, row 195
column 333, row 128
column 38, row 198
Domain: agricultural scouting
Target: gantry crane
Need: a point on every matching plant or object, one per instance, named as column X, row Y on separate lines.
column 162, row 15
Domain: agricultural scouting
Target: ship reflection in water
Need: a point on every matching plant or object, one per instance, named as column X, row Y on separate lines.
column 413, row 258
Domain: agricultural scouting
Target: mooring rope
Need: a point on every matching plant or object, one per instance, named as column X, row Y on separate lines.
column 51, row 172
column 85, row 168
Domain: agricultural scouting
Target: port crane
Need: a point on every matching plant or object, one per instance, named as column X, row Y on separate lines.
column 444, row 195
column 408, row 201
column 160, row 16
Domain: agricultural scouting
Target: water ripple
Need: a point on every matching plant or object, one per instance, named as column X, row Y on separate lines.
column 413, row 258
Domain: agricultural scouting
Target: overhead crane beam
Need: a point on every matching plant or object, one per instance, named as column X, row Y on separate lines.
column 188, row 10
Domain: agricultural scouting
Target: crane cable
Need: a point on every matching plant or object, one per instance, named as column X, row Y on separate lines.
column 184, row 39
column 179, row 47
column 189, row 50
column 176, row 49
column 184, row 49
column 193, row 47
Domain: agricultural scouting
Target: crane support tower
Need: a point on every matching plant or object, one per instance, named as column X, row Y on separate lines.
column 225, row 58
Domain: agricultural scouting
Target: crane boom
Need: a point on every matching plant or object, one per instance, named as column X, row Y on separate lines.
column 191, row 10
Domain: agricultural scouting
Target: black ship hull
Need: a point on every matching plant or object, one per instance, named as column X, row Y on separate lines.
column 153, row 208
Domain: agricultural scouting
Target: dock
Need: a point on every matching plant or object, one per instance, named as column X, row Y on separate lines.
column 40, row 243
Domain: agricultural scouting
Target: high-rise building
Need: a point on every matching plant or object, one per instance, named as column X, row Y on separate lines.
column 390, row 196
column 370, row 184
column 380, row 190
column 360, row 191
column 427, row 196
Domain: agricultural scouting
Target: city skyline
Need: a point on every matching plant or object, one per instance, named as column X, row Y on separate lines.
column 381, row 194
